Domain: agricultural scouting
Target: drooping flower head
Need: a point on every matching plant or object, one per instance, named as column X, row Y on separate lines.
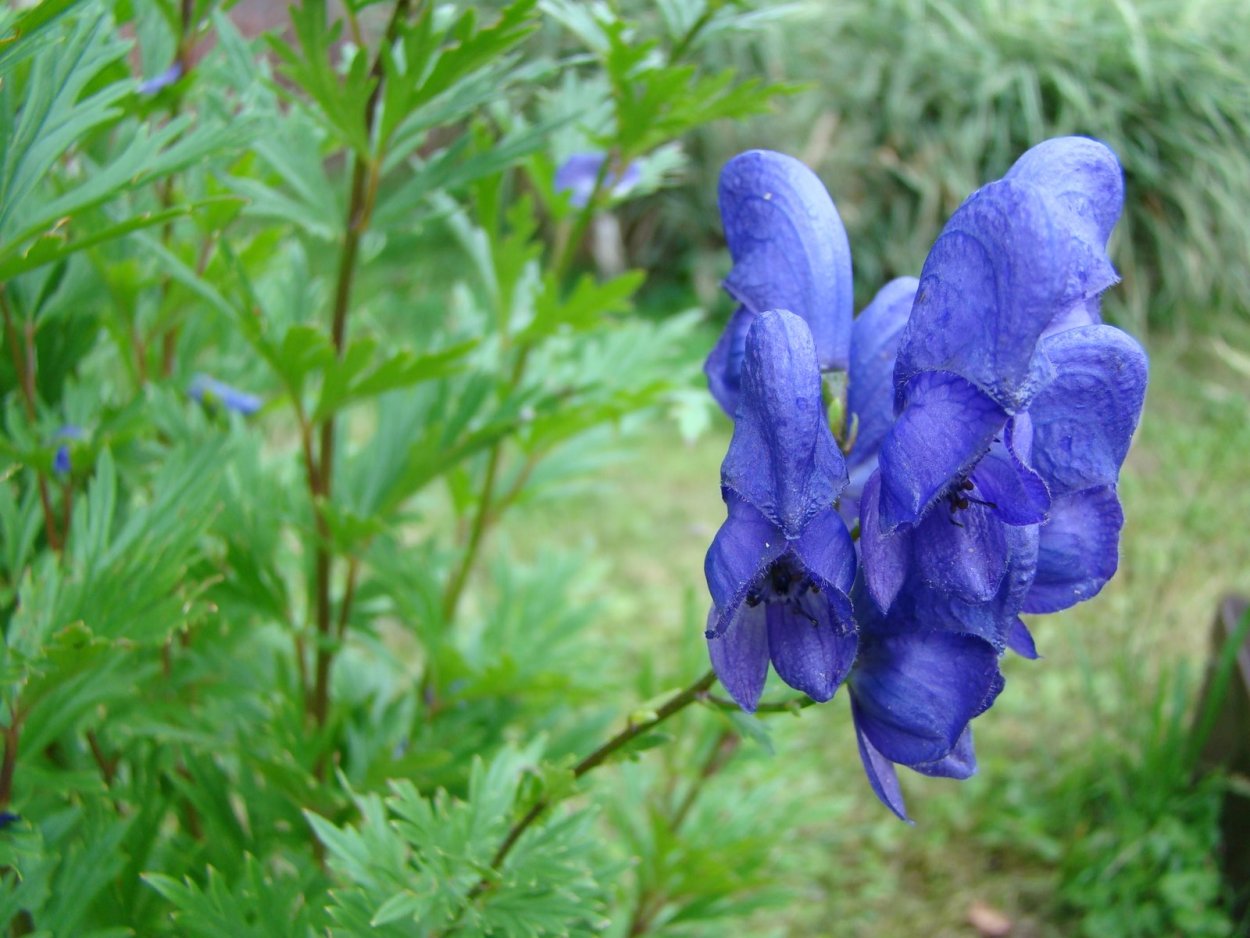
column 988, row 413
column 914, row 690
column 984, row 360
column 781, row 566
column 995, row 492
column 790, row 252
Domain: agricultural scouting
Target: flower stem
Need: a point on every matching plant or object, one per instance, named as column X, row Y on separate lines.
column 25, row 367
column 675, row 704
column 11, row 736
column 651, row 901
column 778, row 706
column 366, row 173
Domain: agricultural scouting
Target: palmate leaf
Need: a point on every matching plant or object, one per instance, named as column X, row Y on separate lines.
column 57, row 870
column 588, row 304
column 439, row 71
column 304, row 196
column 48, row 117
column 51, row 117
column 656, row 102
column 56, row 244
column 261, row 903
column 23, row 34
column 415, row 861
column 359, row 374
column 453, row 167
column 340, row 104
column 125, row 578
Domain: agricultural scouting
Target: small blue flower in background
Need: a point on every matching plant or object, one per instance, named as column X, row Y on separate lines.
column 578, row 173
column 781, row 566
column 210, row 391
column 61, row 460
column 8, row 818
column 163, row 80
column 790, row 252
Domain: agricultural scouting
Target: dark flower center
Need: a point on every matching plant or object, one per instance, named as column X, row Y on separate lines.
column 958, row 499
column 785, row 582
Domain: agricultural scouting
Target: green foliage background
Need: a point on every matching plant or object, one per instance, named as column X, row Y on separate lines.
column 306, row 671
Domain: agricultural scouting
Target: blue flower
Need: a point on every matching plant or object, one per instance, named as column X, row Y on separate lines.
column 61, row 460
column 790, row 252
column 989, row 356
column 781, row 566
column 8, row 818
column 163, row 80
column 210, row 391
column 914, row 690
column 875, row 336
column 578, row 173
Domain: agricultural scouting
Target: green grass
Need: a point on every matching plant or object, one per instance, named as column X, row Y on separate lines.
column 1093, row 710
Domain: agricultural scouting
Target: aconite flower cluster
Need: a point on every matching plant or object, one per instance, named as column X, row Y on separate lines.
column 988, row 411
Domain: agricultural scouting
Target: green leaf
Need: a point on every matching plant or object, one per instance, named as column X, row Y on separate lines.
column 57, row 243
column 340, row 104
column 358, row 375
column 29, row 31
column 51, row 118
column 445, row 68
column 584, row 307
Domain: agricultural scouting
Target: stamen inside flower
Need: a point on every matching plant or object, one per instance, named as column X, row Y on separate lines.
column 958, row 500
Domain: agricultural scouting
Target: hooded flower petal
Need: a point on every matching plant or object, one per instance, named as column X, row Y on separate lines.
column 881, row 774
column 959, row 763
column 1084, row 419
column 1020, row 640
column 992, row 619
column 740, row 654
column 813, row 640
column 875, row 337
column 789, row 596
column 724, row 365
column 1078, row 551
column 914, row 692
column 782, row 458
column 995, row 278
column 961, row 552
column 945, row 427
column 744, row 547
column 1085, row 179
column 886, row 558
column 811, row 647
column 789, row 247
column 163, row 80
column 61, row 462
column 827, row 553
column 1014, row 492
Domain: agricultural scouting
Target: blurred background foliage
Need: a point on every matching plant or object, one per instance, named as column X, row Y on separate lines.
column 173, row 777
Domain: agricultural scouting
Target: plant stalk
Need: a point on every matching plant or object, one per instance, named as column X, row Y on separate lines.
column 366, row 173
column 675, row 704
